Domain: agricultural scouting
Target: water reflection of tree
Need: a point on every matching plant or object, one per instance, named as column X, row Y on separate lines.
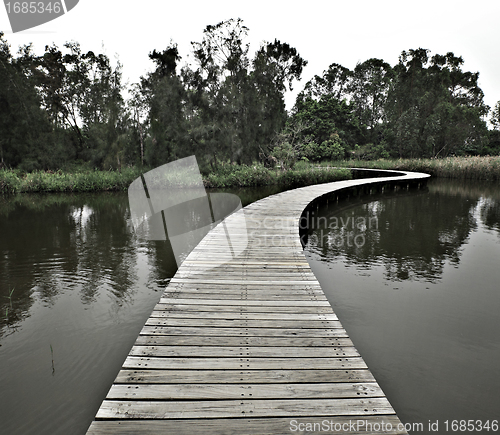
column 416, row 233
column 489, row 205
column 489, row 210
column 55, row 244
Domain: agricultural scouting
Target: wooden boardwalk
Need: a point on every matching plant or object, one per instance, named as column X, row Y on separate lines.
column 248, row 343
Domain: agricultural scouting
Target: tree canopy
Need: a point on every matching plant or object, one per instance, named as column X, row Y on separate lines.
column 228, row 106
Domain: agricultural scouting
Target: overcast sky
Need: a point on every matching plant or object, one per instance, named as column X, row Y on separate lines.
column 324, row 32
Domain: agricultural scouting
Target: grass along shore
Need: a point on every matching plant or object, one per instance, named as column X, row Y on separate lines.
column 465, row 168
column 14, row 181
column 304, row 173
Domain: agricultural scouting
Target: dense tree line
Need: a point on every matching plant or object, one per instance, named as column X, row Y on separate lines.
column 67, row 106
column 422, row 107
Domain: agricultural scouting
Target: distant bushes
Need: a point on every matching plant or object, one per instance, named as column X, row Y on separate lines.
column 258, row 175
column 331, row 149
column 16, row 181
column 231, row 175
column 468, row 168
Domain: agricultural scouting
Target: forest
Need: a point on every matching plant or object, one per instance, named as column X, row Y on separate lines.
column 67, row 108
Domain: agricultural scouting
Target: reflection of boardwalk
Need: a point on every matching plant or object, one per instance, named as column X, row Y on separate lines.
column 250, row 346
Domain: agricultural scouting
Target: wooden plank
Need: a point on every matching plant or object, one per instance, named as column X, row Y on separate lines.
column 280, row 265
column 252, row 274
column 239, row 351
column 246, row 363
column 264, row 280
column 254, row 289
column 228, row 315
column 244, row 286
column 233, row 290
column 255, row 273
column 367, row 425
column 256, row 408
column 249, row 391
column 190, row 340
column 255, row 332
column 242, row 296
column 244, row 323
column 172, row 307
column 247, row 303
column 242, row 376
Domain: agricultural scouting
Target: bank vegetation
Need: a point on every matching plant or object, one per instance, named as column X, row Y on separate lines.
column 67, row 109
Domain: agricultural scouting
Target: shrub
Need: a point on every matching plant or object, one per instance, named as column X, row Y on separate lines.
column 9, row 181
column 331, row 149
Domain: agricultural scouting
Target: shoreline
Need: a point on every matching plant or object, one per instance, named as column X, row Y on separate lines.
column 13, row 181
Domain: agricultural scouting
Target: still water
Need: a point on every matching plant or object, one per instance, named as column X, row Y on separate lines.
column 76, row 287
column 418, row 293
column 415, row 280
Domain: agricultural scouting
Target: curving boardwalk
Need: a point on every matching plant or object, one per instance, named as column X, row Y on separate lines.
column 244, row 341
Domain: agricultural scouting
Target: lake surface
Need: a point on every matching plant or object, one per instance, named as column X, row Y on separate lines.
column 419, row 297
column 76, row 287
column 415, row 280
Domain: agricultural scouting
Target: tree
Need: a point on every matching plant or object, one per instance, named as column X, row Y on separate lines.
column 335, row 118
column 81, row 93
column 239, row 103
column 163, row 96
column 276, row 65
column 434, row 109
column 495, row 117
column 24, row 128
column 494, row 134
column 331, row 123
column 368, row 89
column 335, row 82
column 221, row 90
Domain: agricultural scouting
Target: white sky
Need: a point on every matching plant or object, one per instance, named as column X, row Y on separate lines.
column 324, row 32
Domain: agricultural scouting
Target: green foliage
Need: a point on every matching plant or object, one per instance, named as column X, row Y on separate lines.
column 470, row 167
column 369, row 87
column 312, row 175
column 331, row 149
column 231, row 175
column 286, row 155
column 370, row 152
column 423, row 107
column 434, row 109
column 258, row 175
column 228, row 106
column 9, row 181
column 14, row 181
column 326, row 117
column 495, row 116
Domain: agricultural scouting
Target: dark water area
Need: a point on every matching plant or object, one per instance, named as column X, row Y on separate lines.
column 415, row 279
column 415, row 283
column 76, row 287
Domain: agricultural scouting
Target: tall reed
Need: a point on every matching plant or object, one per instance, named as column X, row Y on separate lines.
column 470, row 168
